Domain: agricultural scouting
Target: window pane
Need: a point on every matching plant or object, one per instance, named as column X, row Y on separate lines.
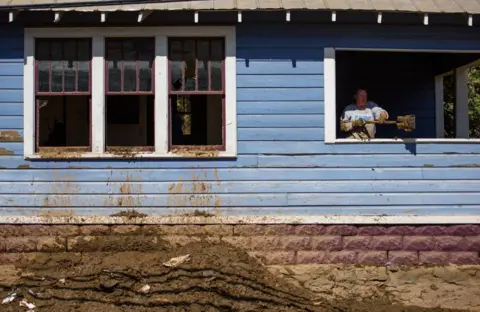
column 145, row 55
column 70, row 66
column 57, row 66
column 42, row 55
column 63, row 65
column 203, row 51
column 83, row 65
column 216, row 64
column 189, row 64
column 114, row 56
column 176, row 65
column 129, row 66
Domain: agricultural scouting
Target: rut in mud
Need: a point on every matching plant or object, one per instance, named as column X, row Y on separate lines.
column 131, row 276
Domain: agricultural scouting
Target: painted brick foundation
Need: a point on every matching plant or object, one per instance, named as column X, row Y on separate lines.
column 273, row 244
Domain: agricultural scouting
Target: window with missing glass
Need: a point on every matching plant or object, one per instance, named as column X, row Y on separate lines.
column 197, row 93
column 129, row 84
column 98, row 92
column 63, row 94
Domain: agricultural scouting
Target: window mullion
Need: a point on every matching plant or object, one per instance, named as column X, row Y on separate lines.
column 98, row 94
column 161, row 94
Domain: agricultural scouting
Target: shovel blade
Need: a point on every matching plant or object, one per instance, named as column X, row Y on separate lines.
column 406, row 123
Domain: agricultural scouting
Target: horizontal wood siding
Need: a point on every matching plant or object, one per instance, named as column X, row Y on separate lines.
column 284, row 166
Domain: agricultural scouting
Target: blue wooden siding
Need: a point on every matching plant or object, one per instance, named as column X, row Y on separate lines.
column 283, row 164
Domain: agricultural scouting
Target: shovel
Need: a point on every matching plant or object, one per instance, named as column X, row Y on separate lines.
column 405, row 123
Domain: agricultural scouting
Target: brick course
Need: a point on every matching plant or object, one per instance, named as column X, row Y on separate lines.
column 271, row 244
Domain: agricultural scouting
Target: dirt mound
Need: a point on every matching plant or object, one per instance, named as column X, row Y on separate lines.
column 216, row 277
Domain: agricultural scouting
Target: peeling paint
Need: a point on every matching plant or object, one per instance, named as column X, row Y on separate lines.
column 465, row 166
column 428, row 165
column 4, row 151
column 78, row 167
column 24, row 166
column 10, row 136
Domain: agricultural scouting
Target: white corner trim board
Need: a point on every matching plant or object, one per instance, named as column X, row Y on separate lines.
column 161, row 34
column 461, row 91
column 279, row 219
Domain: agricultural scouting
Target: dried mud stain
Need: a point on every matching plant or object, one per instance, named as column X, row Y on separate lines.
column 10, row 136
column 197, row 191
column 129, row 214
column 114, row 277
column 4, row 151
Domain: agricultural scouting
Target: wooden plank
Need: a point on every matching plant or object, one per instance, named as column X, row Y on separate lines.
column 358, row 161
column 11, row 96
column 241, row 187
column 302, row 36
column 238, row 200
column 280, row 134
column 386, row 199
column 278, row 67
column 11, row 69
column 279, row 107
column 284, row 53
column 11, row 122
column 280, row 121
column 235, row 174
column 11, row 109
column 129, row 200
column 279, row 81
column 317, row 147
column 451, row 162
column 14, row 162
column 11, row 82
column 280, row 94
column 257, row 211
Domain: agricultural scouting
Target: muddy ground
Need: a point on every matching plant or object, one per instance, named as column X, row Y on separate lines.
column 132, row 277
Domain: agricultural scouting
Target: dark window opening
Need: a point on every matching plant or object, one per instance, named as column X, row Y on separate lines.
column 130, row 121
column 63, row 121
column 197, row 93
column 197, row 120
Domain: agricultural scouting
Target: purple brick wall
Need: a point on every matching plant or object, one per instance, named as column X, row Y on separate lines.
column 274, row 244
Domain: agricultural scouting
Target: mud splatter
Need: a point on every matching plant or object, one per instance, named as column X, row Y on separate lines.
column 10, row 136
column 4, row 151
column 129, row 214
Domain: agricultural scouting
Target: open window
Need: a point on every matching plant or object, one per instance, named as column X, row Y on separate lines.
column 129, row 122
column 63, row 95
column 196, row 94
column 400, row 83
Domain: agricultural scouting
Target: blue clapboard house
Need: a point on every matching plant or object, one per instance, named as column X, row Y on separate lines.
column 232, row 109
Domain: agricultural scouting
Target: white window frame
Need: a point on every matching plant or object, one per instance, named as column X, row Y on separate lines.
column 462, row 126
column 161, row 131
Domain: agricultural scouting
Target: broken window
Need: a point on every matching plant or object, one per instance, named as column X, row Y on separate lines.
column 63, row 94
column 197, row 93
column 130, row 93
